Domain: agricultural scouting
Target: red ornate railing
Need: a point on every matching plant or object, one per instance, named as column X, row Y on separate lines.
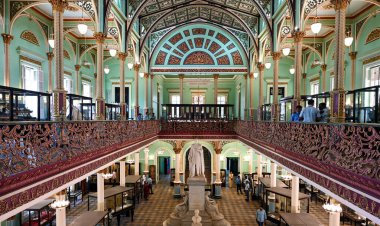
column 197, row 128
column 348, row 153
column 33, row 151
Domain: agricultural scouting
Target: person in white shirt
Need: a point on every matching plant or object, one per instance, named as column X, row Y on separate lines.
column 310, row 113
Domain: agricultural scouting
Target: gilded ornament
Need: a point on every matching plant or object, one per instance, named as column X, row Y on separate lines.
column 30, row 37
column 99, row 37
column 298, row 36
column 276, row 55
column 373, row 36
column 7, row 38
column 122, row 56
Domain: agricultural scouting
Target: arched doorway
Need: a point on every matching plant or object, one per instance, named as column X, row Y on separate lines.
column 207, row 161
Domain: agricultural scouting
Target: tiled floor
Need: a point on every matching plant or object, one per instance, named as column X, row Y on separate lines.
column 159, row 206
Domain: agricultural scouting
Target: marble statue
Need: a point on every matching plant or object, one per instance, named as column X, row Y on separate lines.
column 196, row 160
column 196, row 219
column 181, row 209
column 212, row 208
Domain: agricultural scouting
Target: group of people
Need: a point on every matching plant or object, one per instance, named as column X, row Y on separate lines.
column 261, row 215
column 311, row 113
column 147, row 116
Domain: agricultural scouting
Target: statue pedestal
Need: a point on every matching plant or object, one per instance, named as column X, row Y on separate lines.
column 196, row 192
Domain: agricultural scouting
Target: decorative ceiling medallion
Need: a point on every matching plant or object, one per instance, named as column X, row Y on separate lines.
column 30, row 37
column 199, row 58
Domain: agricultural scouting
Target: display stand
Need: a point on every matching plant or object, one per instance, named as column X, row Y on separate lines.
column 91, row 218
column 135, row 182
column 38, row 214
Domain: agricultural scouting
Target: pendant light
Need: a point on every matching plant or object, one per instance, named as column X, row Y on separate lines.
column 113, row 52
column 286, row 51
column 82, row 27
column 141, row 74
column 268, row 65
column 348, row 40
column 316, row 26
column 51, row 41
column 292, row 70
column 255, row 75
column 106, row 70
column 130, row 65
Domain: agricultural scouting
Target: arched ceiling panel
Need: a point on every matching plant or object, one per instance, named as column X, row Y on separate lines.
column 199, row 48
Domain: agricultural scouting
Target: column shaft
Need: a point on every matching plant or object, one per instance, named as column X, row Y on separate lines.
column 298, row 39
column 100, row 103
column 250, row 165
column 353, row 68
column 50, row 56
column 323, row 68
column 151, row 93
column 7, row 38
column 146, row 162
column 77, row 68
column 334, row 218
column 137, row 107
column 251, row 98
column 276, row 58
column 181, row 77
column 216, row 77
column 295, row 194
column 122, row 56
column 246, row 97
column 146, row 78
column 260, row 67
column 100, row 191
column 177, row 168
column 137, row 163
column 60, row 216
column 259, row 167
column 273, row 176
column 122, row 173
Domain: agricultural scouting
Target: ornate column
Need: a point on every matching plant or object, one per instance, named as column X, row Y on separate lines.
column 218, row 182
column 251, row 100
column 100, row 191
column 177, row 180
column 50, row 56
column 250, row 166
column 137, row 163
column 181, row 77
column 96, row 79
column 338, row 95
column 323, row 68
column 122, row 173
column 7, row 38
column 260, row 67
column 151, row 93
column 259, row 166
column 60, row 212
column 273, row 180
column 298, row 38
column 146, row 162
column 59, row 93
column 122, row 56
column 77, row 68
column 334, row 218
column 216, row 77
column 295, row 194
column 276, row 57
column 246, row 97
column 100, row 102
column 136, row 67
column 146, row 77
column 353, row 68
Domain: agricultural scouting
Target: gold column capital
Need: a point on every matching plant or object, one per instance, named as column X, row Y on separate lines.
column 276, row 55
column 260, row 66
column 7, row 38
column 181, row 76
column 218, row 151
column 50, row 55
column 340, row 4
column 353, row 55
column 95, row 75
column 251, row 75
column 304, row 75
column 323, row 67
column 122, row 56
column 216, row 76
column 100, row 36
column 177, row 150
column 77, row 67
column 59, row 5
column 151, row 76
column 298, row 36
column 146, row 75
column 137, row 67
column 245, row 76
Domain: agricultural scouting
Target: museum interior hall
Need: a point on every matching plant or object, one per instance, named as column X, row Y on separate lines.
column 190, row 112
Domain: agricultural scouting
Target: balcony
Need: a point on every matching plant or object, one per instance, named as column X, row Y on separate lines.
column 341, row 157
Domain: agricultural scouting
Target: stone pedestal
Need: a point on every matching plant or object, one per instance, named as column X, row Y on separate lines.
column 177, row 189
column 218, row 190
column 196, row 193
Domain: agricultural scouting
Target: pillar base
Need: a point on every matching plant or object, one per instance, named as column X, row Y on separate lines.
column 177, row 189
column 338, row 101
column 100, row 109
column 334, row 218
column 59, row 104
column 218, row 190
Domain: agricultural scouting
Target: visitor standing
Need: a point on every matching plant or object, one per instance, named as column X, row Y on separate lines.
column 296, row 114
column 113, row 178
column 261, row 216
column 238, row 185
column 310, row 113
column 247, row 187
column 324, row 112
column 150, row 183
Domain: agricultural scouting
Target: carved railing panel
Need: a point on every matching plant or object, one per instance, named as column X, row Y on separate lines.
column 44, row 149
column 348, row 153
column 197, row 128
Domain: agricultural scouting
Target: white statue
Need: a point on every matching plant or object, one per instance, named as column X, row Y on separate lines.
column 196, row 160
column 196, row 219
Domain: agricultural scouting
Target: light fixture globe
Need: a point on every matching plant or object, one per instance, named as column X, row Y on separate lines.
column 130, row 65
column 348, row 41
column 316, row 27
column 82, row 28
column 51, row 41
column 286, row 51
column 268, row 65
column 141, row 74
column 292, row 70
column 113, row 52
column 106, row 69
column 255, row 75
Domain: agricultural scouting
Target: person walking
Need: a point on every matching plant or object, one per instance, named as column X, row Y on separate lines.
column 261, row 216
column 238, row 185
column 310, row 113
column 247, row 187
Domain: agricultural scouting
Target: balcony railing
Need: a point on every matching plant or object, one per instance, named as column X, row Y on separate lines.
column 198, row 112
column 46, row 148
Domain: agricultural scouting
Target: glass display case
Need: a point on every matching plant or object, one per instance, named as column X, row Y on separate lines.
column 112, row 111
column 362, row 105
column 267, row 112
column 79, row 107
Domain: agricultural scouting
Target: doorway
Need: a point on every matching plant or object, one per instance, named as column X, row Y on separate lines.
column 163, row 166
column 233, row 165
